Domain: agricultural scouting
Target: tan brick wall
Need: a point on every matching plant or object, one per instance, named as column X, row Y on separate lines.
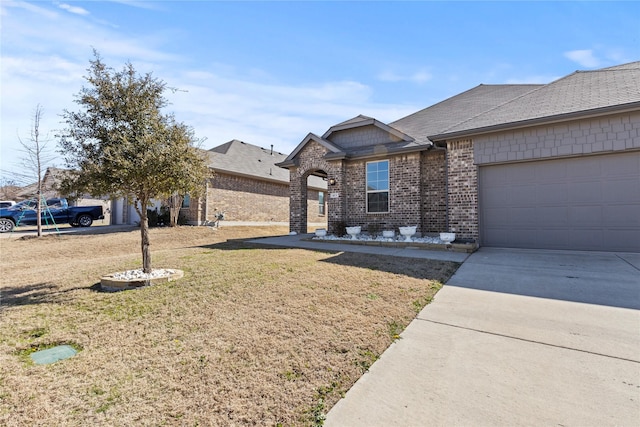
column 434, row 193
column 247, row 199
column 462, row 189
column 405, row 207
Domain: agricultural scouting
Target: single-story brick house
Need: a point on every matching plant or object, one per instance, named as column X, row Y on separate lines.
column 50, row 182
column 247, row 186
column 552, row 166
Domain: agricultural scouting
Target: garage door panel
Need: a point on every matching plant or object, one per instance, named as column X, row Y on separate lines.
column 627, row 166
column 496, row 177
column 620, row 189
column 554, row 238
column 585, row 203
column 522, row 194
column 585, row 191
column 552, row 216
column 496, row 218
column 627, row 241
column 550, row 172
column 588, row 167
column 551, row 193
column 586, row 240
column 585, row 215
column 621, row 215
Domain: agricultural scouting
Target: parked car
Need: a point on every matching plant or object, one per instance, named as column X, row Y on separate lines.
column 6, row 203
column 56, row 211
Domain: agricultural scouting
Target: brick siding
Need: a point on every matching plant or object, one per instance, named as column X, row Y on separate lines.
column 434, row 193
column 405, row 206
column 247, row 199
column 303, row 209
column 462, row 189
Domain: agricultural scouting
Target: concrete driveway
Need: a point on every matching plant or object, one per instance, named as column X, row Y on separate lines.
column 516, row 337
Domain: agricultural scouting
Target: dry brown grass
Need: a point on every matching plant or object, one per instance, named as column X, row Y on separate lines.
column 250, row 336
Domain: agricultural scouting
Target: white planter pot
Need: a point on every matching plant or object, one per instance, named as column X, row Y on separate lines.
column 447, row 237
column 354, row 231
column 407, row 232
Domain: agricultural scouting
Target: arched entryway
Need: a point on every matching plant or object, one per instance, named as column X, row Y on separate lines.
column 300, row 202
column 309, row 208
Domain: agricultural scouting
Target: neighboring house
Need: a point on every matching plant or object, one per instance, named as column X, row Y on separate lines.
column 552, row 166
column 50, row 182
column 247, row 186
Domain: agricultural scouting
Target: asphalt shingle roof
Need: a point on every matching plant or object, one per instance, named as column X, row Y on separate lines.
column 443, row 115
column 579, row 92
column 240, row 158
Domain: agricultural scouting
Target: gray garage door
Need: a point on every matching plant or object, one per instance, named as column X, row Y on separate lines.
column 586, row 203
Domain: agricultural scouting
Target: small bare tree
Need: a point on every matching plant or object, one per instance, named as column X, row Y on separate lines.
column 34, row 160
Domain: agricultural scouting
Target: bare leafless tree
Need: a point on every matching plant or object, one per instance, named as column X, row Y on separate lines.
column 34, row 161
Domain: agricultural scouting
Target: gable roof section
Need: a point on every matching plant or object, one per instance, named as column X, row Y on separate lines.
column 580, row 94
column 459, row 108
column 333, row 149
column 361, row 121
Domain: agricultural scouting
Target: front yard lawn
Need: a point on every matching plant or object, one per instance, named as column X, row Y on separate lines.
column 250, row 336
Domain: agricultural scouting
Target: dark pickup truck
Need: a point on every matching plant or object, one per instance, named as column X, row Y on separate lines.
column 57, row 211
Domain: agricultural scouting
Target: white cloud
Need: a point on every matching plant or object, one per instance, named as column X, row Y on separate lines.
column 250, row 105
column 583, row 57
column 419, row 77
column 73, row 9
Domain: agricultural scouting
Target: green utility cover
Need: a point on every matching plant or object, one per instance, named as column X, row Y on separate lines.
column 52, row 355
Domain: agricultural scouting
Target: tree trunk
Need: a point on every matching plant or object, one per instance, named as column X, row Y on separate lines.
column 39, row 215
column 175, row 203
column 141, row 208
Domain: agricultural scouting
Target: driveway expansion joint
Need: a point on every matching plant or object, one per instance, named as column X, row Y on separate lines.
column 527, row 340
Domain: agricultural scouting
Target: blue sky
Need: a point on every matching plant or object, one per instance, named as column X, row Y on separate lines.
column 270, row 72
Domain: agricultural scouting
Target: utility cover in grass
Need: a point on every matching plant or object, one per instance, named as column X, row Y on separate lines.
column 52, row 355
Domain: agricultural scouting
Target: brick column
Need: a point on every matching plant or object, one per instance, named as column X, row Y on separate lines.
column 462, row 189
column 297, row 202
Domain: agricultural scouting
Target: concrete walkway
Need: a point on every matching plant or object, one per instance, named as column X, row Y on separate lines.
column 516, row 337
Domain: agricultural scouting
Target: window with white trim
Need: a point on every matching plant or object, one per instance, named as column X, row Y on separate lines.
column 378, row 186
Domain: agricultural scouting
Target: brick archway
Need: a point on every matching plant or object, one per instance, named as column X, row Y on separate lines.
column 311, row 161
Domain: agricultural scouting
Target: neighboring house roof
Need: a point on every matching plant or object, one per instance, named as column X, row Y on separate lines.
column 240, row 158
column 580, row 94
column 441, row 116
column 50, row 181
